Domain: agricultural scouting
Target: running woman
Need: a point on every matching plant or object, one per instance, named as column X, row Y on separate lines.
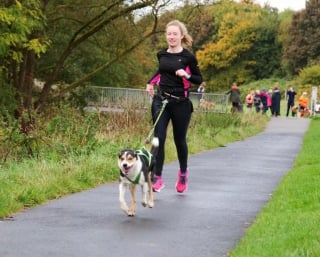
column 178, row 67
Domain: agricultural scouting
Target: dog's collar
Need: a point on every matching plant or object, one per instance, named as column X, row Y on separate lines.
column 144, row 152
column 135, row 181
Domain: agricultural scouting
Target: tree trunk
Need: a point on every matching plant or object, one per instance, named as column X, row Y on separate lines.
column 26, row 79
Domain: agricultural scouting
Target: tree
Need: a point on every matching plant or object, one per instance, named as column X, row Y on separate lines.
column 20, row 45
column 105, row 16
column 71, row 28
column 285, row 19
column 303, row 35
column 244, row 47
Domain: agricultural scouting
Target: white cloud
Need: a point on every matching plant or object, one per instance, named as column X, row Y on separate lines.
column 295, row 5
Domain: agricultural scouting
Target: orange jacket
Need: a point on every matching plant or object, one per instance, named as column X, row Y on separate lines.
column 303, row 101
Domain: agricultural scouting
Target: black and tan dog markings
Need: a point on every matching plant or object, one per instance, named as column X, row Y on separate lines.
column 137, row 167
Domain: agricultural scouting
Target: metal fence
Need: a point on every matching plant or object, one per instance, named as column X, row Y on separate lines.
column 123, row 98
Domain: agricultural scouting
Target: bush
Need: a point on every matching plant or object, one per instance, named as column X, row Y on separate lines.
column 64, row 132
column 310, row 75
column 8, row 102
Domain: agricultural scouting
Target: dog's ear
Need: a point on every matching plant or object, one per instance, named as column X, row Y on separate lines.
column 122, row 152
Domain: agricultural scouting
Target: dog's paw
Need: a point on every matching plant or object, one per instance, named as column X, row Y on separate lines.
column 131, row 213
column 144, row 204
column 125, row 211
column 151, row 204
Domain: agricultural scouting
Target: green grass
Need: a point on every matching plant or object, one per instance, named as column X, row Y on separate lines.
column 288, row 225
column 31, row 182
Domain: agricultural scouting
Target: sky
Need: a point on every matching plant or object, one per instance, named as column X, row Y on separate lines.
column 295, row 5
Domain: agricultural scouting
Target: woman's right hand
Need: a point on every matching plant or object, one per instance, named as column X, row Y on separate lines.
column 150, row 90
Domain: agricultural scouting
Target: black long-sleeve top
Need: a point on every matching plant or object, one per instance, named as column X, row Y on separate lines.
column 169, row 63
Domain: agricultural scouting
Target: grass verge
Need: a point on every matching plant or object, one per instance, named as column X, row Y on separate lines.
column 31, row 182
column 288, row 226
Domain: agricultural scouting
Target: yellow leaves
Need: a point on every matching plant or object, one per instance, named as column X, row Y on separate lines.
column 36, row 46
column 19, row 5
column 310, row 75
column 18, row 31
column 236, row 36
column 6, row 17
column 17, row 56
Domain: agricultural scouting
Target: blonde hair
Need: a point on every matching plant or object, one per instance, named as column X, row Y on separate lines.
column 187, row 39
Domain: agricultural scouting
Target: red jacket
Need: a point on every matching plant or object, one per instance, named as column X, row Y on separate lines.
column 269, row 100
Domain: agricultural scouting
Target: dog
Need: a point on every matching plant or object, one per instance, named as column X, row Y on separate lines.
column 205, row 105
column 137, row 168
column 294, row 110
column 304, row 111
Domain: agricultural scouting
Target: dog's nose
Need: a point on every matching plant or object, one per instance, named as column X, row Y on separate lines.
column 124, row 165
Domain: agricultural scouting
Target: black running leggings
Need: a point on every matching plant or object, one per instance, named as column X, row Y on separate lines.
column 180, row 114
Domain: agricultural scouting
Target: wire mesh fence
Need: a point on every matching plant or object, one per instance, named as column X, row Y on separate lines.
column 110, row 98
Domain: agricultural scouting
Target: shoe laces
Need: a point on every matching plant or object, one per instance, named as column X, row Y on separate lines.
column 182, row 179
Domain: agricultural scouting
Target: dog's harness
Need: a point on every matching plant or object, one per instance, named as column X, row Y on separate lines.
column 136, row 180
column 142, row 152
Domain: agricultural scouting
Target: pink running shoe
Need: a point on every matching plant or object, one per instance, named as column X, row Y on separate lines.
column 157, row 184
column 182, row 183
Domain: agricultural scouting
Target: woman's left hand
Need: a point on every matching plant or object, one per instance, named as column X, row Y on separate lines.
column 149, row 89
column 182, row 73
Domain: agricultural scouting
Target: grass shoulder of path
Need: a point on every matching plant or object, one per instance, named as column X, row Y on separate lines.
column 31, row 182
column 288, row 226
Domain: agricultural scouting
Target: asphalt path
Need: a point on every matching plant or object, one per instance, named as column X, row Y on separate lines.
column 228, row 187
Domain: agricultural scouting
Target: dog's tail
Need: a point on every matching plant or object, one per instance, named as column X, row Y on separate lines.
column 155, row 146
column 154, row 152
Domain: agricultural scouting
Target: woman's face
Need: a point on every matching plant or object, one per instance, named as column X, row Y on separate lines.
column 174, row 36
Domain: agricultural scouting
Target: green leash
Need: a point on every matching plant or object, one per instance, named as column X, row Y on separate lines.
column 164, row 103
column 143, row 151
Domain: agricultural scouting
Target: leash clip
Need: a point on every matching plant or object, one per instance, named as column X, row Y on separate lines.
column 164, row 102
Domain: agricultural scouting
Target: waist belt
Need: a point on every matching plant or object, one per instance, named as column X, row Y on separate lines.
column 173, row 90
column 168, row 96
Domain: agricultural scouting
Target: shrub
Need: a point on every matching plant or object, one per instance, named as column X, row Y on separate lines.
column 310, row 75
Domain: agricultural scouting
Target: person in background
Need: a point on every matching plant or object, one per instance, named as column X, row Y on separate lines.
column 200, row 91
column 290, row 101
column 265, row 100
column 303, row 103
column 270, row 92
column 275, row 102
column 178, row 68
column 257, row 101
column 235, row 97
column 249, row 99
